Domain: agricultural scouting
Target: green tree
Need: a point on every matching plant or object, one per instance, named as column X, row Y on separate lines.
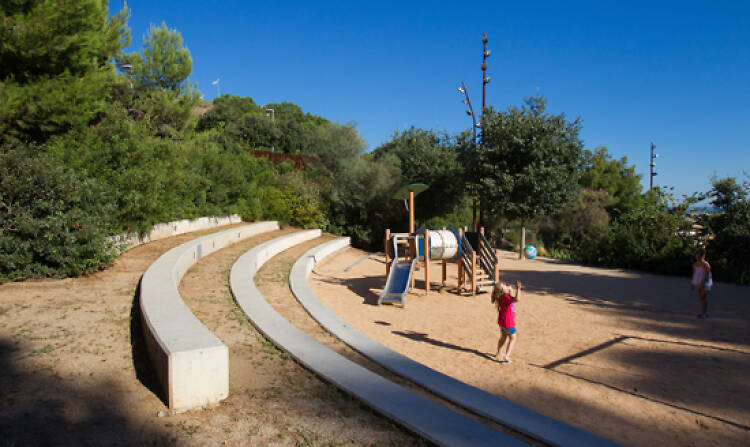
column 55, row 70
column 164, row 61
column 528, row 162
column 423, row 156
column 622, row 184
column 578, row 223
column 729, row 250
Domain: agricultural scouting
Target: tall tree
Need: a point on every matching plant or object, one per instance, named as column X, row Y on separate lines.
column 424, row 156
column 528, row 163
column 622, row 184
column 164, row 62
column 55, row 68
column 729, row 250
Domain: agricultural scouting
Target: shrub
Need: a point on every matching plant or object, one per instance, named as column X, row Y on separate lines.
column 54, row 223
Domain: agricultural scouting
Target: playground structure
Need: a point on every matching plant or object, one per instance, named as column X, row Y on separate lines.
column 476, row 260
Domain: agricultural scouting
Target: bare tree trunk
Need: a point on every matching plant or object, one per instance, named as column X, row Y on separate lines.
column 523, row 240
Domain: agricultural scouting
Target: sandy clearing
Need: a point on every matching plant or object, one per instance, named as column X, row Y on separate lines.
column 617, row 353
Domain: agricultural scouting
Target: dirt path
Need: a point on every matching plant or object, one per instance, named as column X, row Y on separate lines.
column 73, row 371
column 614, row 352
column 272, row 400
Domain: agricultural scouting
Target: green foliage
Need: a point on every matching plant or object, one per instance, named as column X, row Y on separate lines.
column 289, row 205
column 728, row 251
column 54, row 65
column 425, row 157
column 156, row 180
column 578, row 224
column 528, row 162
column 622, row 184
column 43, row 39
column 54, row 222
column 164, row 62
column 653, row 237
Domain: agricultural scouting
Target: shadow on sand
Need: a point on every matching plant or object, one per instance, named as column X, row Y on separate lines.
column 69, row 414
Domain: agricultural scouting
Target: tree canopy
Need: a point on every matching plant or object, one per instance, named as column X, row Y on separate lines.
column 622, row 184
column 528, row 161
column 164, row 61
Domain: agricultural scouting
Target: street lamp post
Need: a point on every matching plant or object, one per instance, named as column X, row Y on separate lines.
column 651, row 166
column 470, row 112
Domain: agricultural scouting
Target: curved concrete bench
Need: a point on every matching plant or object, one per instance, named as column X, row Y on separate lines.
column 423, row 416
column 126, row 241
column 480, row 402
column 191, row 363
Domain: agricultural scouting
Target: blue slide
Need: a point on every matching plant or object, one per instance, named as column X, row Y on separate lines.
column 398, row 283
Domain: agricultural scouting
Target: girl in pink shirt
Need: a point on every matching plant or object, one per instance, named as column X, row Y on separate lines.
column 506, row 317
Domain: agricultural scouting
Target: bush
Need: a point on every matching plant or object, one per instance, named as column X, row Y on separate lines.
column 54, row 223
column 653, row 238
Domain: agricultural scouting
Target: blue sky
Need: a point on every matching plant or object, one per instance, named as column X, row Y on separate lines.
column 675, row 73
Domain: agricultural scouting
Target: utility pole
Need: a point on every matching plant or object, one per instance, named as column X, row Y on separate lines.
column 470, row 112
column 651, row 166
column 485, row 81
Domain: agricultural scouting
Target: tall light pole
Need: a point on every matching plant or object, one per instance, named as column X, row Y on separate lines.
column 485, row 79
column 651, row 166
column 470, row 112
column 218, row 90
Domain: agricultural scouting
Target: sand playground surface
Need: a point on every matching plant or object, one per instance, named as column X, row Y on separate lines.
column 618, row 353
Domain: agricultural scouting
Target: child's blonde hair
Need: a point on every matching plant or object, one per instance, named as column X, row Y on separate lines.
column 497, row 293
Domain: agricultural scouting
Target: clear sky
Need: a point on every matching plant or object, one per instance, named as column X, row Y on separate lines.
column 675, row 73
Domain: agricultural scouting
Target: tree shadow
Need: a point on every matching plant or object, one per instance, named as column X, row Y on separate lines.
column 364, row 286
column 660, row 304
column 424, row 338
column 663, row 372
column 144, row 372
column 67, row 414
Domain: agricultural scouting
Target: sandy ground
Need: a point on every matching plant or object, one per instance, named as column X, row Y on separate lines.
column 618, row 353
column 73, row 369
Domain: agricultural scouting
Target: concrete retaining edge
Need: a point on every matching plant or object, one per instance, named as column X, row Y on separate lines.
column 191, row 363
column 126, row 241
column 506, row 413
column 420, row 415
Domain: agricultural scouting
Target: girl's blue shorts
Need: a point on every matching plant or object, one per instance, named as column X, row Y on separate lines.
column 509, row 330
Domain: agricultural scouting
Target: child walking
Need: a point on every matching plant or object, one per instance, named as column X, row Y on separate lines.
column 702, row 280
column 506, row 317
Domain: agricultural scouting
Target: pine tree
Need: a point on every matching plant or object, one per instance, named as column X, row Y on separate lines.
column 55, row 64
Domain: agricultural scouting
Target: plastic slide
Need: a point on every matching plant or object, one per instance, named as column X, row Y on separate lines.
column 398, row 283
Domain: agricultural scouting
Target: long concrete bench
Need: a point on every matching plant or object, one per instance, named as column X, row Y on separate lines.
column 126, row 241
column 191, row 363
column 420, row 415
column 504, row 412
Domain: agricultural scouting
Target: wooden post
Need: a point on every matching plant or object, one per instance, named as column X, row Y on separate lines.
column 473, row 272
column 411, row 212
column 426, row 248
column 460, row 273
column 497, row 267
column 523, row 240
column 387, row 255
column 445, row 272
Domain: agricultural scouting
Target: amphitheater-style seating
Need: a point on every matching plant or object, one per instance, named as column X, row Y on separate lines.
column 421, row 415
column 191, row 363
column 504, row 412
